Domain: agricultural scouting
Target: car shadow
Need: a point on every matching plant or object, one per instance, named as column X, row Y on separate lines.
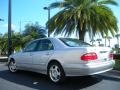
column 41, row 82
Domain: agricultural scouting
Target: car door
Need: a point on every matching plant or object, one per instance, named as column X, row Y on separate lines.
column 43, row 52
column 26, row 58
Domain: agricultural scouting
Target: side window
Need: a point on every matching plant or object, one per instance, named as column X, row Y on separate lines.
column 45, row 44
column 39, row 46
column 31, row 47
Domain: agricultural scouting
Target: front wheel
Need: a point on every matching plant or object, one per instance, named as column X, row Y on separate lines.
column 12, row 66
column 56, row 73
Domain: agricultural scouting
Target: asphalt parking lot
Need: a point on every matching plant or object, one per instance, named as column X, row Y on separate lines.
column 24, row 80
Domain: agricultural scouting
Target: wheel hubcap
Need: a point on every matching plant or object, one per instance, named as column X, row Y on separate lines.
column 54, row 73
column 12, row 67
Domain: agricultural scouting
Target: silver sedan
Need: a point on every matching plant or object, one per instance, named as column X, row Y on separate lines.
column 61, row 57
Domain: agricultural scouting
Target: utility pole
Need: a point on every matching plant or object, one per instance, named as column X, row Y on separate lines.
column 48, row 8
column 9, row 28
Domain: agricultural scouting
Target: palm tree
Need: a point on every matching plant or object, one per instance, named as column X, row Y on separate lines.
column 3, row 44
column 99, row 40
column 0, row 43
column 16, row 42
column 80, row 16
column 105, row 37
column 34, row 30
column 16, row 36
column 92, row 42
column 109, row 38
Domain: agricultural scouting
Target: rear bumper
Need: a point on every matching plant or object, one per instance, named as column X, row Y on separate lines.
column 88, row 69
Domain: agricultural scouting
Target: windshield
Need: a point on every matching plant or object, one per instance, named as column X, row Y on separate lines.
column 74, row 42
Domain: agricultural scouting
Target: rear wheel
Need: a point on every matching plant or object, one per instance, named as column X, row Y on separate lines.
column 56, row 73
column 12, row 66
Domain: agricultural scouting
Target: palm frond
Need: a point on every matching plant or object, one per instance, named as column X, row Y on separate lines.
column 110, row 2
column 81, row 16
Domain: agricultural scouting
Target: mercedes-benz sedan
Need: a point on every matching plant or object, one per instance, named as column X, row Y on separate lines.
column 61, row 57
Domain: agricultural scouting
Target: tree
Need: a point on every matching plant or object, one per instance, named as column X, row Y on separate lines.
column 16, row 37
column 32, row 31
column 35, row 30
column 81, row 16
column 4, row 42
column 0, row 43
column 16, row 42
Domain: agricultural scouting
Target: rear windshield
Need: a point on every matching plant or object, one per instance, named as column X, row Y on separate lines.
column 74, row 42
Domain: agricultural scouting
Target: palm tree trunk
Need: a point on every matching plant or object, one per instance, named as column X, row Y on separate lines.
column 81, row 35
column 81, row 32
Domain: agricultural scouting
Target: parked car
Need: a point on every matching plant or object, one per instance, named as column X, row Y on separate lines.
column 61, row 57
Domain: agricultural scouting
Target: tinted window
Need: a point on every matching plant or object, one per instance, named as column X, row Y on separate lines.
column 44, row 44
column 73, row 42
column 31, row 47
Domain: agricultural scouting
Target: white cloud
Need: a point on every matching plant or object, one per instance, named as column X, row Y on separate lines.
column 6, row 26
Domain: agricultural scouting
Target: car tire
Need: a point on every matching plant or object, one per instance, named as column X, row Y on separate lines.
column 56, row 73
column 12, row 66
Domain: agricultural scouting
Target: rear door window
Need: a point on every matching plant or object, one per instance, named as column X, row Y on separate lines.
column 31, row 46
column 44, row 45
column 73, row 42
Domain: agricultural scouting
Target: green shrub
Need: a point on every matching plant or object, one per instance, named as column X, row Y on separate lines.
column 116, row 56
column 117, row 64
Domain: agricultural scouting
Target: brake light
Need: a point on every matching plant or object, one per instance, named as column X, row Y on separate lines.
column 89, row 56
column 110, row 56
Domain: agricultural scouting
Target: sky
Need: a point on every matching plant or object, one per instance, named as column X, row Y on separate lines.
column 25, row 11
column 31, row 11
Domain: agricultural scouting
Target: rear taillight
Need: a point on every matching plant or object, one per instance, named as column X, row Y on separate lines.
column 110, row 56
column 89, row 56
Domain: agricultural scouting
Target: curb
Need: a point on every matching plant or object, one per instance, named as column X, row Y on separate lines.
column 4, row 63
column 112, row 74
column 115, row 71
column 3, row 59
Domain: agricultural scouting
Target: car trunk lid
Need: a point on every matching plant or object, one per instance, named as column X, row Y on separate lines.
column 103, row 53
